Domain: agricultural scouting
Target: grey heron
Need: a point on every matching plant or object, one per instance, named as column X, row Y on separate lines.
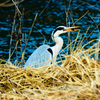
column 44, row 54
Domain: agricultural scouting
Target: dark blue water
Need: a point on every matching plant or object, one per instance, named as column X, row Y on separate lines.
column 51, row 13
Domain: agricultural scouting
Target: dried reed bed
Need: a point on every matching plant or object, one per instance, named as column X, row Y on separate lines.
column 78, row 78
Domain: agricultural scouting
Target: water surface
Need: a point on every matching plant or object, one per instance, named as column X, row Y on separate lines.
column 51, row 13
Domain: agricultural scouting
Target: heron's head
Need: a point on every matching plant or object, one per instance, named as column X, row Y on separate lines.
column 62, row 29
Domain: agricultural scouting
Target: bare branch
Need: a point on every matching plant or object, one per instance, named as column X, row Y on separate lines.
column 7, row 4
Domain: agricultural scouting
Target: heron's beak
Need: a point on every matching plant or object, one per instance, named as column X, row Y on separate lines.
column 74, row 28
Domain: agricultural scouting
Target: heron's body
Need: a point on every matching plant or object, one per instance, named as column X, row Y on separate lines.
column 45, row 54
column 35, row 61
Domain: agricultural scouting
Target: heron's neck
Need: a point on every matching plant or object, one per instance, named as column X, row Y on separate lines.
column 58, row 46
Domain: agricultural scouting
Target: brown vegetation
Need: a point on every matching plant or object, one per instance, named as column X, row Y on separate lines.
column 78, row 78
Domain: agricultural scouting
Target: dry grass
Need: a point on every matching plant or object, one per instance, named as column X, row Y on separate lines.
column 78, row 78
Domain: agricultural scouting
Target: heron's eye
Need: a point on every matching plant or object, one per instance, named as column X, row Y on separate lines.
column 63, row 29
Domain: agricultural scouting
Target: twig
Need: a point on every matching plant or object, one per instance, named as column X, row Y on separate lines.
column 14, row 48
column 67, row 12
column 8, row 79
column 6, row 4
column 97, row 53
column 77, row 6
column 17, row 8
column 92, row 31
column 90, row 5
column 44, row 8
column 42, row 35
column 20, row 35
column 30, row 34
column 12, row 36
column 81, row 17
column 2, row 4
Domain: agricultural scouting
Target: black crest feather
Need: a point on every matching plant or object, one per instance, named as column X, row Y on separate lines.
column 58, row 28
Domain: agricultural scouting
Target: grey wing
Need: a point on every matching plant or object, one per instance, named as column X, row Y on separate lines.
column 41, row 56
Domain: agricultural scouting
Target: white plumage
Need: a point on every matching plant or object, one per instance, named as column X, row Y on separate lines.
column 44, row 54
